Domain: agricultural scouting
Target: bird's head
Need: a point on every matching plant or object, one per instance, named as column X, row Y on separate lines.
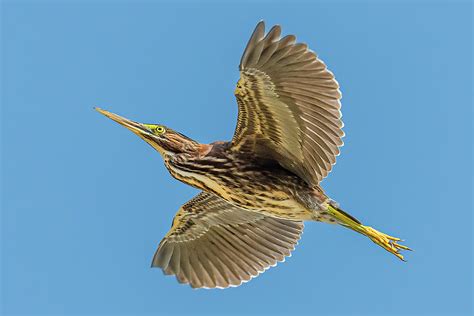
column 165, row 140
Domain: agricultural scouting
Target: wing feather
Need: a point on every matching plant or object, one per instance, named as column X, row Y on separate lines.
column 289, row 105
column 212, row 243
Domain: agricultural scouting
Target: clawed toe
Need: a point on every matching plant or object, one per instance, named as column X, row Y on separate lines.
column 387, row 242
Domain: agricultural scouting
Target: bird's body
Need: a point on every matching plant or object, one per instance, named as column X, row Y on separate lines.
column 249, row 182
column 258, row 188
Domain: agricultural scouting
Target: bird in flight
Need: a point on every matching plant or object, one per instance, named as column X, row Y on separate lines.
column 259, row 188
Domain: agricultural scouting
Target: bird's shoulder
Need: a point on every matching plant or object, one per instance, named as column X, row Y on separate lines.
column 218, row 149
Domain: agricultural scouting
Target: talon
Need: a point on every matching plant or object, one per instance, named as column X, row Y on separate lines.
column 405, row 247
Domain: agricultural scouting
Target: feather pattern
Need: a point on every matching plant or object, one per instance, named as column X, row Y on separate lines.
column 289, row 105
column 214, row 244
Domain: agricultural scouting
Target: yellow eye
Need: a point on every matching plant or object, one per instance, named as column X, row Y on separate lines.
column 160, row 129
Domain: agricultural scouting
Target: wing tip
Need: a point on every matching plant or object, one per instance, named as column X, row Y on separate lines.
column 232, row 285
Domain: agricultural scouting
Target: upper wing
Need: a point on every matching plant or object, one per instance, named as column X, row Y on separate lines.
column 289, row 107
column 214, row 244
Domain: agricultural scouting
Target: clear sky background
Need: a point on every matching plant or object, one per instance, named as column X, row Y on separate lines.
column 85, row 202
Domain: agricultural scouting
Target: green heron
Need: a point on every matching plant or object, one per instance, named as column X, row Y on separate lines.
column 259, row 188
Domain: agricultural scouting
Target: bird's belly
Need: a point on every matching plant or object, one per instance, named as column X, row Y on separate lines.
column 287, row 208
column 276, row 203
column 272, row 200
column 273, row 193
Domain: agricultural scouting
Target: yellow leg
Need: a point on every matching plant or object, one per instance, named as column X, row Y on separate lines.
column 385, row 241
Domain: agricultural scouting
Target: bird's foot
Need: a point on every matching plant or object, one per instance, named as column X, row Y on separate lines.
column 385, row 241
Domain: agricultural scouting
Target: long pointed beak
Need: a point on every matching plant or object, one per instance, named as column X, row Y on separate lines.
column 135, row 127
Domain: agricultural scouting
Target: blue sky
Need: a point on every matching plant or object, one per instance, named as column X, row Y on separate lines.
column 85, row 202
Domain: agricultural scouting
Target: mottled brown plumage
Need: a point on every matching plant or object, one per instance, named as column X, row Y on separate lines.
column 237, row 177
column 258, row 188
column 214, row 244
column 289, row 105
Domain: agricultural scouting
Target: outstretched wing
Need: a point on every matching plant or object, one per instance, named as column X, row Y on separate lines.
column 214, row 244
column 289, row 107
